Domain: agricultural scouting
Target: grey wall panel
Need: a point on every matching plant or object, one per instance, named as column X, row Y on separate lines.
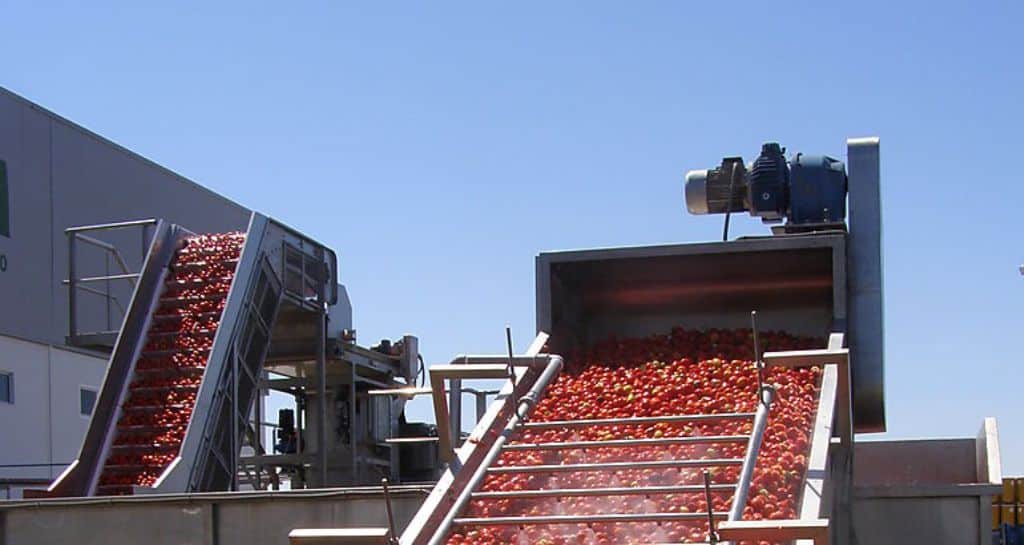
column 25, row 284
column 61, row 175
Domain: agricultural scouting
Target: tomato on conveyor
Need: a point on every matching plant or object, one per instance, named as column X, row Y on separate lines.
column 155, row 415
column 683, row 373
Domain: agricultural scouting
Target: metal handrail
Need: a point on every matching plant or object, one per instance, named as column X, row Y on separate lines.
column 739, row 502
column 109, row 226
column 88, row 279
column 110, row 248
column 76, row 235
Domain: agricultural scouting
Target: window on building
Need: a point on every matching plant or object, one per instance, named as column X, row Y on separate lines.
column 87, row 400
column 6, row 387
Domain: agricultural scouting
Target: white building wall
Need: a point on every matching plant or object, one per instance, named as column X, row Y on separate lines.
column 26, row 421
column 69, row 372
column 44, row 425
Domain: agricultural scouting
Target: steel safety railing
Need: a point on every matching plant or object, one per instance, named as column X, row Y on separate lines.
column 111, row 255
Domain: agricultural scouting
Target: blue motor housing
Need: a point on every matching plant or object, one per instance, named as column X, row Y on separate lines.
column 767, row 184
column 817, row 190
column 808, row 191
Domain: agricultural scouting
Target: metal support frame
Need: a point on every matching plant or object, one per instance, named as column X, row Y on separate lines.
column 321, row 381
column 454, row 408
column 448, row 414
column 864, row 281
column 481, row 400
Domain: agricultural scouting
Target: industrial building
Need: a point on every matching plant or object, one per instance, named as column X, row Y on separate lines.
column 57, row 175
column 715, row 388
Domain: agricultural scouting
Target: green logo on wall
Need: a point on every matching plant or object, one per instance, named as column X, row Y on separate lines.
column 5, row 203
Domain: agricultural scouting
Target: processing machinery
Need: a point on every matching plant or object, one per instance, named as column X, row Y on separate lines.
column 819, row 275
column 215, row 322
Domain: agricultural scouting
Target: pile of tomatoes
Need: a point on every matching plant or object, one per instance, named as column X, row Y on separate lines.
column 155, row 416
column 685, row 372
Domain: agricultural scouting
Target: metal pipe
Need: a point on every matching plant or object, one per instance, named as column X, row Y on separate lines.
column 562, row 424
column 353, row 424
column 455, row 411
column 511, row 368
column 300, row 431
column 106, row 263
column 117, row 225
column 615, row 466
column 97, row 243
column 321, row 391
column 72, row 291
column 235, row 446
column 487, row 359
column 758, row 364
column 703, row 440
column 526, row 404
column 392, row 539
column 712, row 535
column 145, row 241
column 105, row 278
column 767, row 395
column 583, row 492
column 584, row 519
column 481, row 405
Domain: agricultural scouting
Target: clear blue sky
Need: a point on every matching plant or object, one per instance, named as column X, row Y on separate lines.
column 438, row 147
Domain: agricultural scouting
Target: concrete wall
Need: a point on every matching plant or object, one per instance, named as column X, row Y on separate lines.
column 44, row 425
column 200, row 519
